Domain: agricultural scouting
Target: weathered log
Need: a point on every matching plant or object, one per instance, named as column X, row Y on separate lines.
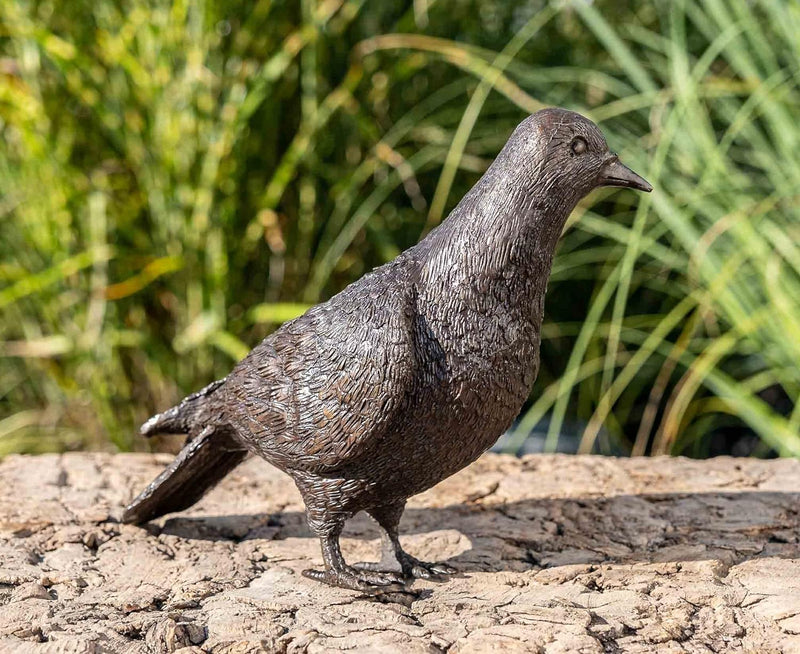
column 556, row 554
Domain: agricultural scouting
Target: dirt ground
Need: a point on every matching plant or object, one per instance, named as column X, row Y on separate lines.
column 555, row 554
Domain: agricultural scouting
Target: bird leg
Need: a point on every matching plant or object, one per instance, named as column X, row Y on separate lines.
column 338, row 573
column 393, row 556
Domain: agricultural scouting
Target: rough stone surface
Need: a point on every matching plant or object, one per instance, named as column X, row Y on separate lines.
column 556, row 553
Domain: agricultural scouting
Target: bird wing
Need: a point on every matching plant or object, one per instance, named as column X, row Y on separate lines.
column 320, row 392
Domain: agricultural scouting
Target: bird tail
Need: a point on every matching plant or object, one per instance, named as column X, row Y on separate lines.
column 184, row 417
column 209, row 455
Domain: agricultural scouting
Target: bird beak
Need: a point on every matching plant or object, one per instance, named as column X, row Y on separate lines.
column 615, row 173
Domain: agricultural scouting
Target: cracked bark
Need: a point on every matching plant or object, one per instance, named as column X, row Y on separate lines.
column 556, row 553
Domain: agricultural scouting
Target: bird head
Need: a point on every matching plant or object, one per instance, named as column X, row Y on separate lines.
column 564, row 155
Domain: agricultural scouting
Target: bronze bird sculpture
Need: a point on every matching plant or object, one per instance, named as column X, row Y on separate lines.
column 408, row 374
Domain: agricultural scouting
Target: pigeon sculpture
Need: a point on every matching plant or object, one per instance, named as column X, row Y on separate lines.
column 408, row 374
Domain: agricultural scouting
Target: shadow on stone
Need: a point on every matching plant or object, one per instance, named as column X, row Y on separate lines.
column 536, row 534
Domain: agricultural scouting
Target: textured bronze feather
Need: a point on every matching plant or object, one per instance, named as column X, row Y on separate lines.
column 410, row 373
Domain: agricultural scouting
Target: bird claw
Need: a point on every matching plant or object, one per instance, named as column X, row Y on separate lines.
column 413, row 567
column 410, row 566
column 364, row 581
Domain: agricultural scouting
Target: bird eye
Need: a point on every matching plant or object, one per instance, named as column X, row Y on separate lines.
column 578, row 145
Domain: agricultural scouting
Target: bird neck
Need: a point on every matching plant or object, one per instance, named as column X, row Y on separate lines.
column 499, row 234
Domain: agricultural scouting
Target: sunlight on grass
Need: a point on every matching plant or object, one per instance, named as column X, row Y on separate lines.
column 176, row 182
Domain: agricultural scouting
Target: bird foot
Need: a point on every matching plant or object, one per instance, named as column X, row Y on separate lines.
column 413, row 567
column 410, row 566
column 364, row 581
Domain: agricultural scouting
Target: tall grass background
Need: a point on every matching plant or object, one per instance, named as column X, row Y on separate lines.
column 178, row 178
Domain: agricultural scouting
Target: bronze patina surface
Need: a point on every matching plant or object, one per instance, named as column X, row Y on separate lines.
column 410, row 373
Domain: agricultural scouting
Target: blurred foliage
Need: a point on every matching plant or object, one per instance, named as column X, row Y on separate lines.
column 178, row 178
